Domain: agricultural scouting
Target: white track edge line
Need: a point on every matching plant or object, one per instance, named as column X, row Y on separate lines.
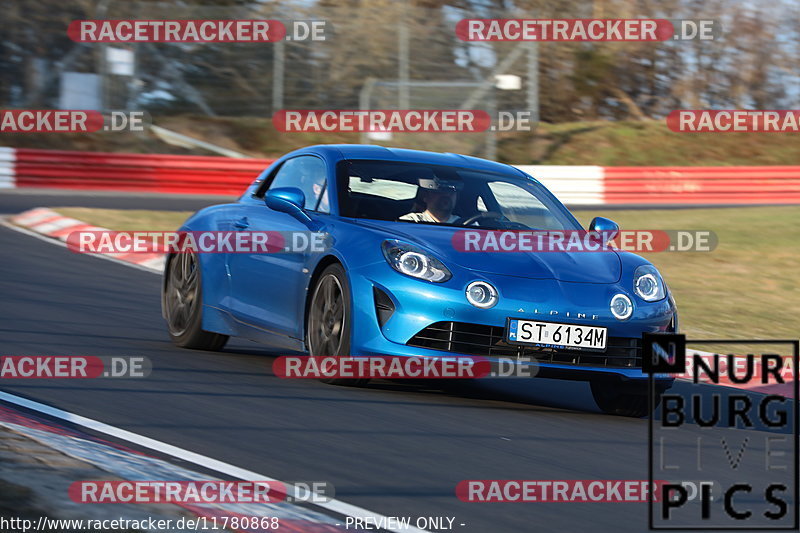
column 185, row 455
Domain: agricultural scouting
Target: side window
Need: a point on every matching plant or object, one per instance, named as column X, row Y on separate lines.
column 307, row 173
column 396, row 190
column 512, row 197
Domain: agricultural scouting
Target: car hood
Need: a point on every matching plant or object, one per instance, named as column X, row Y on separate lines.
column 580, row 267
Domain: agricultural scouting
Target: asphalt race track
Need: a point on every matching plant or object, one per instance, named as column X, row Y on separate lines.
column 394, row 448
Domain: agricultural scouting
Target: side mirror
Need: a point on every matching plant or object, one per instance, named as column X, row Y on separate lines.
column 285, row 199
column 290, row 200
column 604, row 225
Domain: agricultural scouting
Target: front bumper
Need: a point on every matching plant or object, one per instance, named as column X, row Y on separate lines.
column 418, row 305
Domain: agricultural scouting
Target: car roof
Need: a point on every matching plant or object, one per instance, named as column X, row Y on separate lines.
column 371, row 151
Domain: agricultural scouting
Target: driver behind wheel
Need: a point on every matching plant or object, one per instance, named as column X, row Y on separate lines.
column 439, row 197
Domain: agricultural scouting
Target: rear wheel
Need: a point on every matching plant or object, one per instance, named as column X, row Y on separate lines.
column 617, row 397
column 328, row 331
column 183, row 305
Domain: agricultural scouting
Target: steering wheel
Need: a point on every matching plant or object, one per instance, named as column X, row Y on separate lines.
column 489, row 215
column 493, row 215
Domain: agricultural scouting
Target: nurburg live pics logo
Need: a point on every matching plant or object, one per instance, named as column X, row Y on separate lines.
column 739, row 446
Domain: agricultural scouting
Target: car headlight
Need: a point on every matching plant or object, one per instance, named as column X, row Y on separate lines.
column 648, row 285
column 621, row 307
column 415, row 262
column 481, row 294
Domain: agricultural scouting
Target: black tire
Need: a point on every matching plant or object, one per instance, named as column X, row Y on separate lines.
column 183, row 305
column 616, row 397
column 329, row 318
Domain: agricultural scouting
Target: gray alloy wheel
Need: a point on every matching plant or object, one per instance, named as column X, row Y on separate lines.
column 183, row 305
column 328, row 329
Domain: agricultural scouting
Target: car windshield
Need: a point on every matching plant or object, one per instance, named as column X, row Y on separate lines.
column 443, row 195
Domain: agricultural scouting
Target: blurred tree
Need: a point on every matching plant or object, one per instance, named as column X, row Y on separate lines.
column 753, row 62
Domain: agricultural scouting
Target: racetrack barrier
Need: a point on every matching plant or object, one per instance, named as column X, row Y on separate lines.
column 702, row 185
column 574, row 185
column 7, row 167
column 190, row 174
column 591, row 185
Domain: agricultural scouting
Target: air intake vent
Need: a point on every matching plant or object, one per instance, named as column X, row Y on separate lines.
column 384, row 307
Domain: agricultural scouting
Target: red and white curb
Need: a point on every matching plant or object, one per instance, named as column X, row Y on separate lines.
column 8, row 158
column 51, row 224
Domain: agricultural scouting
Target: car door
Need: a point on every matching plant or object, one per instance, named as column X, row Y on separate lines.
column 267, row 290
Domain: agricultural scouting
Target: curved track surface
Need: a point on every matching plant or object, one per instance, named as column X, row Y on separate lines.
column 398, row 449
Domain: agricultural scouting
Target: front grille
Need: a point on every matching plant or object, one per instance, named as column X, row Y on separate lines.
column 489, row 341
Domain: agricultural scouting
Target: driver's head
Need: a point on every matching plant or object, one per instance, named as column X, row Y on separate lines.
column 440, row 200
column 439, row 195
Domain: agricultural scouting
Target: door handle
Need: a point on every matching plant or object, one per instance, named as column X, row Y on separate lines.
column 242, row 223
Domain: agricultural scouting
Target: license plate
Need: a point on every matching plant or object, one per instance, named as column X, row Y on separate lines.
column 555, row 334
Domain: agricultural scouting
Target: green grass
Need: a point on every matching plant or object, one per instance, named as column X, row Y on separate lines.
column 645, row 143
column 746, row 288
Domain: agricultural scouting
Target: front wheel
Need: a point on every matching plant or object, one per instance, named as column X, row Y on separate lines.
column 616, row 397
column 183, row 305
column 328, row 331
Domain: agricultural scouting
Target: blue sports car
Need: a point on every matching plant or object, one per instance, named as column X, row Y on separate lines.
column 394, row 277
